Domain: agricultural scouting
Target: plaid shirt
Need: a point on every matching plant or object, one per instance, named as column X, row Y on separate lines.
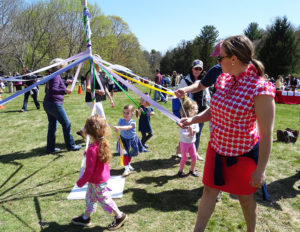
column 233, row 118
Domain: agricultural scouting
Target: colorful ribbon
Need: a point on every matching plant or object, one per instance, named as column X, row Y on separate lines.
column 141, row 94
column 11, row 97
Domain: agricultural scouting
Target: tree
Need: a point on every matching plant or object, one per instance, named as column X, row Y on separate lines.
column 9, row 9
column 253, row 32
column 279, row 51
column 204, row 43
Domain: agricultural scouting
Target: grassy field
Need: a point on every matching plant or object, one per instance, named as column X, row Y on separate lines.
column 34, row 185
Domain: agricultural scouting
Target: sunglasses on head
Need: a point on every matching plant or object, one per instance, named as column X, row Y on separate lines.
column 198, row 69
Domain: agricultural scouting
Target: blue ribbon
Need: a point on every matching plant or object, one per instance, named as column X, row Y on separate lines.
column 76, row 62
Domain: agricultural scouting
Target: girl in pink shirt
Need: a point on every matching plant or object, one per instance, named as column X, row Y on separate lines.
column 97, row 173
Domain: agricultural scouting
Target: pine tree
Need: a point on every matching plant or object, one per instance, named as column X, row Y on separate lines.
column 279, row 51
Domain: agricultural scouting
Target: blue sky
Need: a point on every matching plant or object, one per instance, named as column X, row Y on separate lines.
column 162, row 24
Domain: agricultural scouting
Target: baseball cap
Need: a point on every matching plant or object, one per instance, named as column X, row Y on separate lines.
column 197, row 63
column 216, row 52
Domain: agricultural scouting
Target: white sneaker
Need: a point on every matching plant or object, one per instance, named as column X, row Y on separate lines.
column 126, row 171
column 179, row 155
column 130, row 167
column 200, row 158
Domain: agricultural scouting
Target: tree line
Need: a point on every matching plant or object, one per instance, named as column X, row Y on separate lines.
column 277, row 47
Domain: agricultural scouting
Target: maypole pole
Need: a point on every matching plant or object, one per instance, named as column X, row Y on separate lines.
column 86, row 21
column 88, row 33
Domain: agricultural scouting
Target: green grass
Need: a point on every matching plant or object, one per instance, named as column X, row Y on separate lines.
column 34, row 185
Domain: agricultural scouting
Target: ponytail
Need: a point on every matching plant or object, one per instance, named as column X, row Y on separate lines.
column 259, row 66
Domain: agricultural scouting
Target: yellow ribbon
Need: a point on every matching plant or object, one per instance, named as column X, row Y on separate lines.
column 146, row 85
column 122, row 150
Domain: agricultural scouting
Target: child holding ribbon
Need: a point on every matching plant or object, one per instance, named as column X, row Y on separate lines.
column 131, row 142
column 144, row 121
column 188, row 138
column 97, row 173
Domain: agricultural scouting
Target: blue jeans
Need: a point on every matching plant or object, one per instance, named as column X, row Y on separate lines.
column 197, row 142
column 34, row 96
column 56, row 112
column 162, row 98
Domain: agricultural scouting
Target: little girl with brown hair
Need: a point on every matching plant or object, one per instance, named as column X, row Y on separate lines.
column 188, row 138
column 97, row 173
column 132, row 144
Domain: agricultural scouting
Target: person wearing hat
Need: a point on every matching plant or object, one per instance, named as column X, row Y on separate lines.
column 53, row 105
column 208, row 80
column 201, row 97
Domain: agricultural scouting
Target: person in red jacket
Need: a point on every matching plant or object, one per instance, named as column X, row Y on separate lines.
column 97, row 173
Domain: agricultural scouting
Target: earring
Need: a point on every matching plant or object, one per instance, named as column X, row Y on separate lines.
column 232, row 64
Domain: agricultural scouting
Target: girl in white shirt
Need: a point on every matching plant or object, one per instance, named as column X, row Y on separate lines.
column 188, row 137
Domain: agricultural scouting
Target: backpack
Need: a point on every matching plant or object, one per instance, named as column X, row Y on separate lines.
column 288, row 135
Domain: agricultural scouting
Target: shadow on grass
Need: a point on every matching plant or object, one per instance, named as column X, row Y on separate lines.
column 15, row 111
column 167, row 201
column 55, row 227
column 159, row 180
column 281, row 189
column 40, row 151
column 150, row 165
column 154, row 164
column 12, row 196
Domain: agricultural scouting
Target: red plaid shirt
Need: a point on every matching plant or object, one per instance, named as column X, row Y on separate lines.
column 233, row 119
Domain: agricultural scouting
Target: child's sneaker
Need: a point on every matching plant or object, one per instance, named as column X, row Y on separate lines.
column 199, row 158
column 145, row 145
column 117, row 222
column 180, row 174
column 194, row 173
column 126, row 171
column 80, row 221
column 130, row 167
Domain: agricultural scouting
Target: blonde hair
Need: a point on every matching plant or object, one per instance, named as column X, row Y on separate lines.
column 97, row 127
column 188, row 106
column 242, row 47
column 57, row 60
column 129, row 107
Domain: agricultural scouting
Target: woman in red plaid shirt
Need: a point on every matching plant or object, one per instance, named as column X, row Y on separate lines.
column 242, row 117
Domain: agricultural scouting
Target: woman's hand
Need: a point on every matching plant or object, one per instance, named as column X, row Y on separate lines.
column 180, row 93
column 99, row 92
column 112, row 103
column 186, row 122
column 258, row 179
column 68, row 91
column 69, row 81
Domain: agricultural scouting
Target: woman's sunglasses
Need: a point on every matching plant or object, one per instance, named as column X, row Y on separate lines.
column 220, row 58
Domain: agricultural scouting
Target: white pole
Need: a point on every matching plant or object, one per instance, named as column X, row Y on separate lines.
column 84, row 3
